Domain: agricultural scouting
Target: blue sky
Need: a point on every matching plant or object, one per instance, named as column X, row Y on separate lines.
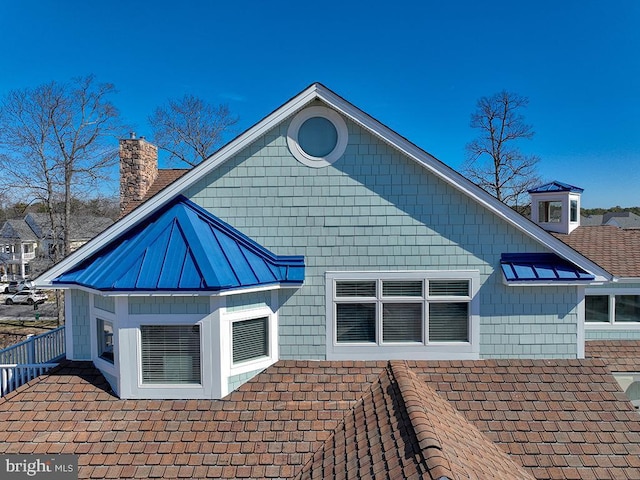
column 418, row 67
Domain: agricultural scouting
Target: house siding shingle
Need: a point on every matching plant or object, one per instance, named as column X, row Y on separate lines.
column 81, row 329
column 375, row 209
column 168, row 305
column 107, row 304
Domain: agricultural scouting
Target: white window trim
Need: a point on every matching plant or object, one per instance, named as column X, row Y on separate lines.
column 341, row 144
column 100, row 363
column 612, row 324
column 407, row 351
column 227, row 320
column 179, row 320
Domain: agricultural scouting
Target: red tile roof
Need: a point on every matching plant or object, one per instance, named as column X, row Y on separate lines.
column 559, row 419
column 619, row 355
column 166, row 176
column 614, row 249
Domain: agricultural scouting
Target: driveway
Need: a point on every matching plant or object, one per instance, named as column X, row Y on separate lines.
column 26, row 312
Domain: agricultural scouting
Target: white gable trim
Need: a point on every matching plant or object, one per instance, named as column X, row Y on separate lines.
column 320, row 92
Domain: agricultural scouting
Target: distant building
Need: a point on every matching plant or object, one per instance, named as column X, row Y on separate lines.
column 24, row 242
column 624, row 220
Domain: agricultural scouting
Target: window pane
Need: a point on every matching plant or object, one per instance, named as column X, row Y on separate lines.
column 443, row 288
column 402, row 322
column 105, row 340
column 356, row 289
column 550, row 212
column 356, row 322
column 627, row 308
column 449, row 322
column 170, row 354
column 250, row 339
column 574, row 211
column 402, row 288
column 317, row 137
column 596, row 308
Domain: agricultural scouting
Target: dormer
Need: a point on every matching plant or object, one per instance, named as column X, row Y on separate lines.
column 555, row 206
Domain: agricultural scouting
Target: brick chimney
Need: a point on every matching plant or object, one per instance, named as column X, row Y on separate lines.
column 138, row 169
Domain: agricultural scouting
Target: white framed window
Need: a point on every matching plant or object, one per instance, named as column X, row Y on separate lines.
column 104, row 331
column 410, row 314
column 317, row 136
column 573, row 211
column 550, row 212
column 612, row 308
column 250, row 339
column 170, row 354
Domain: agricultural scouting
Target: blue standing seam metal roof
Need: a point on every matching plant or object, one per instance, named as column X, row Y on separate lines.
column 183, row 248
column 540, row 267
column 556, row 186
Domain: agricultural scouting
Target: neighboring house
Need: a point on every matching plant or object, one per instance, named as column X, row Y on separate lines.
column 24, row 242
column 18, row 243
column 625, row 220
column 361, row 309
column 81, row 229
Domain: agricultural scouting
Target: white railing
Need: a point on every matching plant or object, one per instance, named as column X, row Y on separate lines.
column 43, row 348
column 18, row 256
column 26, row 360
column 14, row 376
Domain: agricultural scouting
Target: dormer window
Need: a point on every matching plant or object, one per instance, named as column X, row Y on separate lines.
column 550, row 212
column 574, row 211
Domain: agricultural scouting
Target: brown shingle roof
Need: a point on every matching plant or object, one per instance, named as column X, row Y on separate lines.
column 560, row 419
column 402, row 428
column 166, row 176
column 619, row 355
column 614, row 249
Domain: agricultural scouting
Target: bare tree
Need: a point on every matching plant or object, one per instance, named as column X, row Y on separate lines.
column 190, row 129
column 494, row 161
column 57, row 140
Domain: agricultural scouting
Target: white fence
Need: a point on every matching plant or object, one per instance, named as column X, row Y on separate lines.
column 24, row 361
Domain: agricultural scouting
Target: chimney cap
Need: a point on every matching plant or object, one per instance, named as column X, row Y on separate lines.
column 132, row 135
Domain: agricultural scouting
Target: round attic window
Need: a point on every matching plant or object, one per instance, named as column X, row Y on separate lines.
column 317, row 136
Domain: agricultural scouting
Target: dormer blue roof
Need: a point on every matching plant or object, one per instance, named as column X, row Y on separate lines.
column 556, row 186
column 183, row 247
column 541, row 267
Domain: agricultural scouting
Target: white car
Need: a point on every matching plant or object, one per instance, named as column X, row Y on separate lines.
column 28, row 297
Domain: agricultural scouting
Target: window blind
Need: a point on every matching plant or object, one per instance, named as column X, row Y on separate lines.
column 402, row 322
column 449, row 322
column 170, row 354
column 356, row 322
column 449, row 288
column 356, row 289
column 250, row 339
column 402, row 288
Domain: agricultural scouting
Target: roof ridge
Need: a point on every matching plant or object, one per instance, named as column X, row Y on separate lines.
column 426, row 434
